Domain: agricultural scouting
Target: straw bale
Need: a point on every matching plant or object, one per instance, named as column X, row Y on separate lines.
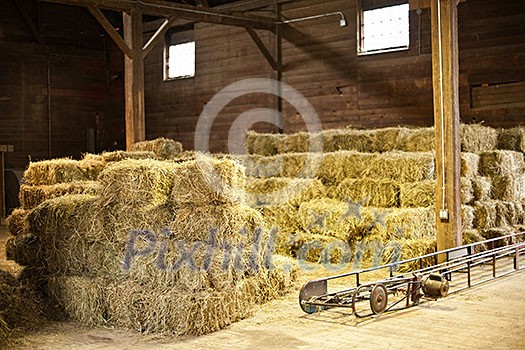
column 467, row 190
column 482, row 187
column 117, row 156
column 385, row 139
column 497, row 232
column 407, row 223
column 469, row 164
column 477, row 138
column 19, row 309
column 137, row 183
column 370, row 192
column 473, row 236
column 262, row 144
column 485, row 214
column 32, row 196
column 303, row 165
column 26, row 250
column 331, row 191
column 512, row 139
column 206, row 180
column 262, row 167
column 402, row 166
column 416, row 140
column 16, row 222
column 509, row 187
column 52, row 172
column 338, row 166
column 346, row 140
column 276, row 281
column 417, row 194
column 300, row 142
column 467, row 217
column 193, row 223
column 282, row 217
column 82, row 298
column 346, row 221
column 501, row 163
column 313, row 248
column 403, row 249
column 276, row 191
column 162, row 147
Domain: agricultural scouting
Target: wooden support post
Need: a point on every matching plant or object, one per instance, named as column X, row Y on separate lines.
column 445, row 68
column 3, row 149
column 134, row 79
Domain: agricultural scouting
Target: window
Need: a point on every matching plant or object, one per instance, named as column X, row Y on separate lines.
column 383, row 28
column 180, row 53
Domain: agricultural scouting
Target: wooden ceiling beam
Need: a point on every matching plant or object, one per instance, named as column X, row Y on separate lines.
column 169, row 9
column 95, row 11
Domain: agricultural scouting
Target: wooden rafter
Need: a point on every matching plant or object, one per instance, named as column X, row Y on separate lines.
column 264, row 50
column 157, row 36
column 168, row 9
column 95, row 11
column 28, row 20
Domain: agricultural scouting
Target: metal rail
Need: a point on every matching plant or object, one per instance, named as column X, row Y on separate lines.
column 314, row 295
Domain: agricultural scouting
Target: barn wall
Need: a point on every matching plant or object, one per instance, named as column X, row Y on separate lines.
column 57, row 97
column 320, row 60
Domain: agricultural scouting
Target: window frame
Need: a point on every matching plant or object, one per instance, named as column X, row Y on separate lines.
column 367, row 5
column 178, row 35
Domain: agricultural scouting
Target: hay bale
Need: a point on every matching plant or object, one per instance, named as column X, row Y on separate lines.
column 283, row 217
column 510, row 187
column 162, row 147
column 472, row 236
column 417, row 194
column 348, row 222
column 137, row 183
column 477, row 138
column 485, row 214
column 512, row 139
column 25, row 250
column 117, row 156
column 262, row 144
column 303, row 165
column 469, row 164
column 404, row 249
column 19, row 309
column 467, row 217
column 312, row 248
column 482, row 188
column 346, row 140
column 81, row 298
column 407, row 223
column 416, row 140
column 300, row 142
column 206, row 180
column 496, row 163
column 338, row 166
column 467, row 190
column 385, row 139
column 52, row 172
column 276, row 191
column 370, row 192
column 32, row 196
column 262, row 167
column 401, row 166
column 16, row 222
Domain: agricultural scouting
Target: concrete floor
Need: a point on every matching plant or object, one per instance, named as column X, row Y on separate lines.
column 490, row 316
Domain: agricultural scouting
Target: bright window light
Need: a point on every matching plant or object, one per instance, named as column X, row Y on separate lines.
column 181, row 60
column 385, row 28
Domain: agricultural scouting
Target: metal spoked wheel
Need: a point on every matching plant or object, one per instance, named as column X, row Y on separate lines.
column 356, row 297
column 378, row 298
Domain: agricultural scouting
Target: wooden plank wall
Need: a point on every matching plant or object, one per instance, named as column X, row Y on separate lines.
column 320, row 60
column 65, row 80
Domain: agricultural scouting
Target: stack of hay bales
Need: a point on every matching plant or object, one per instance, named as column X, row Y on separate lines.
column 19, row 308
column 386, row 177
column 161, row 246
